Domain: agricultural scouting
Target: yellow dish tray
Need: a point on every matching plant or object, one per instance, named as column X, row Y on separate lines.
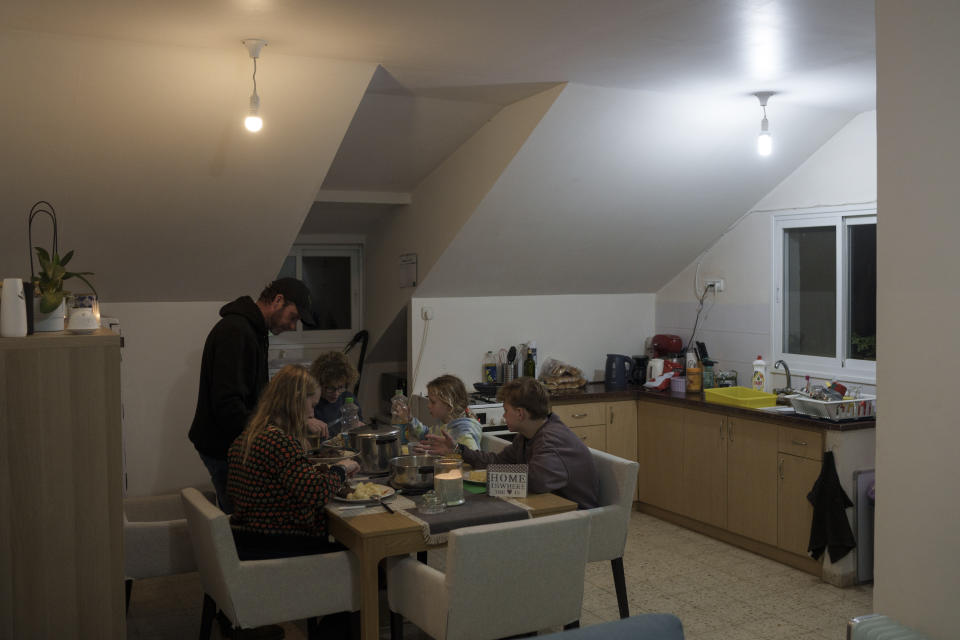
column 740, row 397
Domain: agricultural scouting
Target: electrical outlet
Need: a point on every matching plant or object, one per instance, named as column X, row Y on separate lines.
column 716, row 283
column 426, row 313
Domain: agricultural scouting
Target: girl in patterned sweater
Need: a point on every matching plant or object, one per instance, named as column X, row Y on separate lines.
column 278, row 494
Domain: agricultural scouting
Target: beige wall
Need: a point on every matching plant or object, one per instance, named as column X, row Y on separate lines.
column 441, row 205
column 737, row 326
column 918, row 476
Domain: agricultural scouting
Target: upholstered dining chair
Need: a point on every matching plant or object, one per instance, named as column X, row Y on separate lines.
column 611, row 520
column 155, row 538
column 501, row 580
column 254, row 593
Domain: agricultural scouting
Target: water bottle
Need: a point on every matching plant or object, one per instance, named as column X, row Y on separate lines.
column 349, row 415
column 399, row 408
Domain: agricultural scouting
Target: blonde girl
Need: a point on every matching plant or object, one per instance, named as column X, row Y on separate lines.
column 278, row 494
column 447, row 402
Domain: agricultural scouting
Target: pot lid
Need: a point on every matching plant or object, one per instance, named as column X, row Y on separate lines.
column 374, row 430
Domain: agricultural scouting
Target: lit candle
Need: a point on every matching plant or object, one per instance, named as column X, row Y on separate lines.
column 449, row 485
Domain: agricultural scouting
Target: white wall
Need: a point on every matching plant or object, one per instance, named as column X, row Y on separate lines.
column 737, row 325
column 160, row 370
column 918, row 513
column 577, row 329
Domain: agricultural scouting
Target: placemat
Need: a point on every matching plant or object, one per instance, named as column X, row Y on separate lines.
column 478, row 509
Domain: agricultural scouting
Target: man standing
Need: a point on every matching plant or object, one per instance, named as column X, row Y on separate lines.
column 233, row 371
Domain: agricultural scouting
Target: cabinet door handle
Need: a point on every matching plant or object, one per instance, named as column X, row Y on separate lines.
column 799, row 443
column 611, row 416
column 730, row 431
column 579, row 415
column 780, row 468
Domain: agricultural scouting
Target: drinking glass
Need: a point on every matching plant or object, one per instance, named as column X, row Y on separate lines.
column 448, row 480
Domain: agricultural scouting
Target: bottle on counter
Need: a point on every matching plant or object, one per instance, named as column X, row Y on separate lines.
column 349, row 414
column 489, row 368
column 759, row 374
column 707, row 375
column 530, row 364
column 694, row 379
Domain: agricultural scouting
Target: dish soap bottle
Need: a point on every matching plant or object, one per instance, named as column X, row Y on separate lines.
column 489, row 368
column 759, row 374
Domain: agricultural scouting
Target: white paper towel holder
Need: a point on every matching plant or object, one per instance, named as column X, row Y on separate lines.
column 13, row 309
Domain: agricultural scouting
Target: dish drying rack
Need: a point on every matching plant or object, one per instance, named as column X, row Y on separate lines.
column 836, row 410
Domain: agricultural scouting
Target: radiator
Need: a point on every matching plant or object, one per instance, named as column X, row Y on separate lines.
column 878, row 627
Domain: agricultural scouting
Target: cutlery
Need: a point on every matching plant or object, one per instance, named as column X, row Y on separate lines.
column 383, row 504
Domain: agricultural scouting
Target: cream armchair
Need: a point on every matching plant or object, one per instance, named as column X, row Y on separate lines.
column 255, row 593
column 155, row 538
column 611, row 520
column 501, row 580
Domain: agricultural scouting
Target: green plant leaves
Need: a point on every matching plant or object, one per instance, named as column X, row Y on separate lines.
column 49, row 282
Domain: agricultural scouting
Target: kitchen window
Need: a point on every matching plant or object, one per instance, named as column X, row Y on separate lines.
column 334, row 275
column 825, row 292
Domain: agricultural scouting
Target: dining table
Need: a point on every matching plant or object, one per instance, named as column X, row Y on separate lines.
column 375, row 536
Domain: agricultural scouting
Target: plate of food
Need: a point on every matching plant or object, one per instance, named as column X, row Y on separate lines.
column 365, row 493
column 476, row 476
column 331, row 455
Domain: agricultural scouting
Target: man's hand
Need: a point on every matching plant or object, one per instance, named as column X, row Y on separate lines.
column 317, row 427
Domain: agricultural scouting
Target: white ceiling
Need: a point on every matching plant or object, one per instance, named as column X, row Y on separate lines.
column 447, row 66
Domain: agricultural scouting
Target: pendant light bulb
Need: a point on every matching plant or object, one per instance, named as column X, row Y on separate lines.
column 764, row 141
column 253, row 122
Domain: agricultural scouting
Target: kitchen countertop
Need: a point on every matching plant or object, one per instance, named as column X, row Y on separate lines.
column 596, row 392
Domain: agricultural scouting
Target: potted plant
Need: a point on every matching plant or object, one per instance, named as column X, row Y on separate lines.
column 49, row 300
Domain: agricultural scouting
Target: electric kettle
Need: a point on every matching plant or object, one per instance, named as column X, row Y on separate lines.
column 618, row 371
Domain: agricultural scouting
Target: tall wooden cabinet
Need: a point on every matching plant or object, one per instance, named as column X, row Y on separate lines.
column 61, row 528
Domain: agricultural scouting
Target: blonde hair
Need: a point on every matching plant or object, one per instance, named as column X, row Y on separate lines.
column 281, row 406
column 333, row 367
column 451, row 392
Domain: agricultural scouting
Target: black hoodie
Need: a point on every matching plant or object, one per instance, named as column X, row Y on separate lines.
column 233, row 373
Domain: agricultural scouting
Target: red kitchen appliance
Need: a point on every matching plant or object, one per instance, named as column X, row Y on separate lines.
column 665, row 345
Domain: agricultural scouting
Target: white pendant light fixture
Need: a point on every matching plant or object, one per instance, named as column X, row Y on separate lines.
column 253, row 121
column 764, row 141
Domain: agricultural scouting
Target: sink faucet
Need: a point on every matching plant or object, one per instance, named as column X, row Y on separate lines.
column 776, row 365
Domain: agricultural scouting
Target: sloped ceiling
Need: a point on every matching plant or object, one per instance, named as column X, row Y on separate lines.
column 616, row 191
column 140, row 148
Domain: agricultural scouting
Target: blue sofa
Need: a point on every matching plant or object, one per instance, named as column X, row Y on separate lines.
column 646, row 626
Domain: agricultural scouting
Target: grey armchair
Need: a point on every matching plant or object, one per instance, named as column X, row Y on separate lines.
column 255, row 593
column 501, row 580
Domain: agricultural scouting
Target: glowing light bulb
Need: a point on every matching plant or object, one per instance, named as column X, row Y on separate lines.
column 255, row 123
column 764, row 141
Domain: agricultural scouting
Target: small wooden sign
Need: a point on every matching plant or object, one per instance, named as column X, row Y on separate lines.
column 507, row 480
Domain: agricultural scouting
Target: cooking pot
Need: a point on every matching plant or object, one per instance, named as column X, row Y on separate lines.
column 412, row 472
column 377, row 444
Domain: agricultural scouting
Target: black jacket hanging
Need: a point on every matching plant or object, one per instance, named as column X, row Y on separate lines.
column 830, row 528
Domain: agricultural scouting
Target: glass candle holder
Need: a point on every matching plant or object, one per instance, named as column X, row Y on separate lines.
column 448, row 480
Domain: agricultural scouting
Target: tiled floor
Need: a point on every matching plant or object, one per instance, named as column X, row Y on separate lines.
column 719, row 592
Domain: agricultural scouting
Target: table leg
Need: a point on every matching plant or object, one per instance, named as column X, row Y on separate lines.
column 369, row 597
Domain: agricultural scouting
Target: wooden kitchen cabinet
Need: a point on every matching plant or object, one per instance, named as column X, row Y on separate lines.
column 797, row 476
column 622, row 431
column 594, row 436
column 704, row 471
column 660, row 453
column 61, row 487
column 752, row 480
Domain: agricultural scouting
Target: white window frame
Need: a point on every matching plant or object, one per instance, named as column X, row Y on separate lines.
column 839, row 367
column 333, row 336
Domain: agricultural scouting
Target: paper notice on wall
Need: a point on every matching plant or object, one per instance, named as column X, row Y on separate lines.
column 507, row 480
column 408, row 270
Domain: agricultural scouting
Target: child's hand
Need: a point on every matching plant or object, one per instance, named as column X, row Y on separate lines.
column 437, row 445
column 317, row 427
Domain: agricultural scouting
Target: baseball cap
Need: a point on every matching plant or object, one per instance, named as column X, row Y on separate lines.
column 294, row 291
